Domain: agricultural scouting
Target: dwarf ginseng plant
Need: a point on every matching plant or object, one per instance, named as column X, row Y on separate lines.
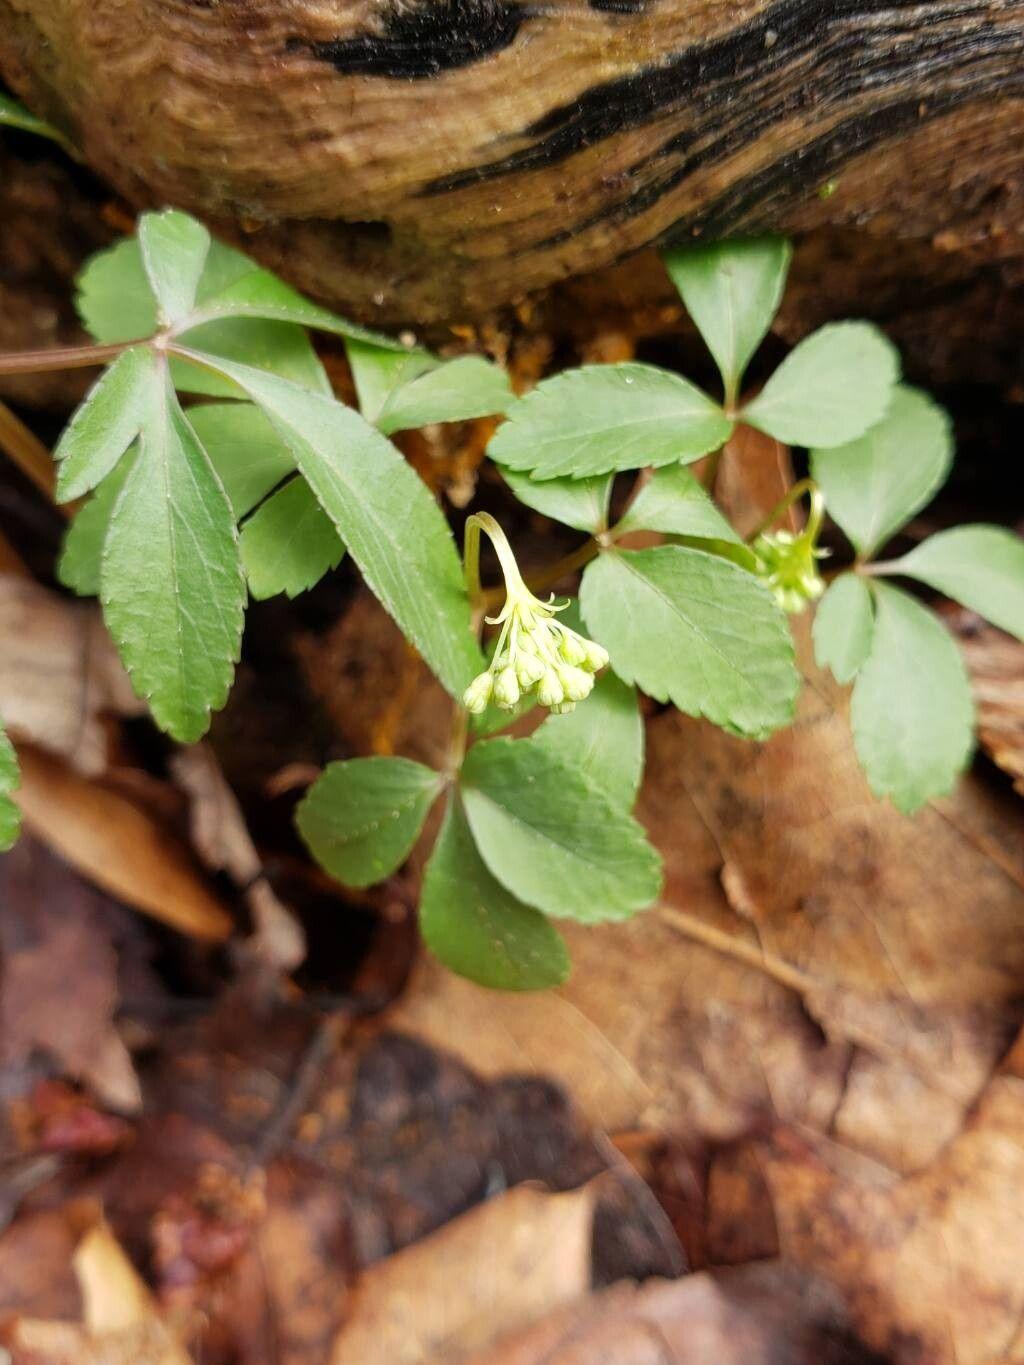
column 267, row 482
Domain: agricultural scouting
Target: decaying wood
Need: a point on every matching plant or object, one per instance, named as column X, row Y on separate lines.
column 425, row 159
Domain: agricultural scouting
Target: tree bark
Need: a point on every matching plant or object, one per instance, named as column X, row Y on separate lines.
column 424, row 160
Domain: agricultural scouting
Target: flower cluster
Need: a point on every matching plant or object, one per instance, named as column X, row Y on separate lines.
column 788, row 563
column 537, row 655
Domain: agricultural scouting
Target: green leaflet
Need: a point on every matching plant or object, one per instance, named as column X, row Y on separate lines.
column 289, row 543
column 580, row 503
column 874, row 485
column 384, row 514
column 479, row 929
column 601, row 418
column 10, row 816
column 280, row 347
column 454, row 391
column 105, row 423
column 174, row 249
column 245, row 450
column 259, row 294
column 830, row 389
column 377, row 372
column 82, row 555
column 553, row 838
column 695, row 629
column 171, row 583
column 398, row 390
column 675, row 502
column 911, row 712
column 602, row 740
column 360, row 819
column 732, row 290
column 982, row 567
column 843, row 627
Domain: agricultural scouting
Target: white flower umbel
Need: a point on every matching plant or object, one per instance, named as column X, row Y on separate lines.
column 535, row 654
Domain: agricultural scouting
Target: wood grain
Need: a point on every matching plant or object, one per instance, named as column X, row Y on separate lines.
column 415, row 160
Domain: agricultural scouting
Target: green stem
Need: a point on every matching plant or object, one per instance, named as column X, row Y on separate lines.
column 884, row 568
column 483, row 521
column 64, row 357
column 794, row 495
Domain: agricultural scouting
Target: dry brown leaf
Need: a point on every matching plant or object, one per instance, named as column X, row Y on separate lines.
column 35, row 1260
column 995, row 662
column 121, row 1323
column 117, row 845
column 60, row 976
column 59, row 673
column 931, row 1266
column 221, row 838
column 769, row 1314
column 506, row 1263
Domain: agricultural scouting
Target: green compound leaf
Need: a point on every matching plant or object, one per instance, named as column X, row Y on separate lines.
column 732, row 290
column 911, row 712
column 260, row 294
column 602, row 740
column 174, row 249
column 830, row 389
column 553, row 838
column 476, row 927
column 383, row 513
column 245, row 450
column 105, row 424
column 289, row 543
column 608, row 417
column 453, row 392
column 82, row 555
column 695, row 629
column 843, row 626
column 116, row 303
column 171, row 582
column 580, row 503
column 360, row 819
column 675, row 502
column 10, row 816
column 377, row 372
column 874, row 485
column 981, row 567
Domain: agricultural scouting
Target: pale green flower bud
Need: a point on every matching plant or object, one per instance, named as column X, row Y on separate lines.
column 562, row 708
column 788, row 565
column 529, row 670
column 576, row 684
column 506, row 689
column 597, row 657
column 549, row 690
column 478, row 693
column 572, row 649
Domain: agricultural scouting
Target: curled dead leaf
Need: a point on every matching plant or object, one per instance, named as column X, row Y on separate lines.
column 118, row 845
column 59, row 674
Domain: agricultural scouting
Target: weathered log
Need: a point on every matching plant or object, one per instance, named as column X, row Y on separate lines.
column 430, row 159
